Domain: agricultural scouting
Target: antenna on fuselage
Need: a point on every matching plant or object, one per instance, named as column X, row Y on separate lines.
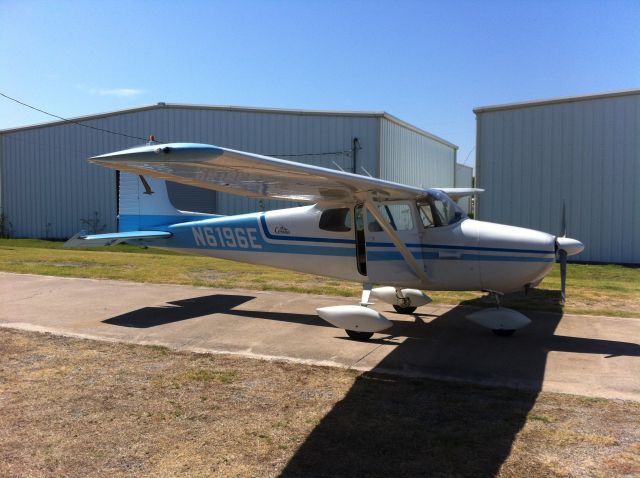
column 338, row 166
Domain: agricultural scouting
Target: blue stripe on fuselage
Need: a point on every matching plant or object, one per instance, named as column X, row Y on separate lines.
column 263, row 221
column 242, row 233
column 185, row 238
column 377, row 256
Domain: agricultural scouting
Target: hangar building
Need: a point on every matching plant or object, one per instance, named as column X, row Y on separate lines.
column 48, row 190
column 583, row 150
column 464, row 179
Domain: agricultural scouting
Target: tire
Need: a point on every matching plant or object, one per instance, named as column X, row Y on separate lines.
column 404, row 310
column 503, row 332
column 361, row 336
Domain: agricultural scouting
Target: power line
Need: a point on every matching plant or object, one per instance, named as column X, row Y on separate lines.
column 467, row 158
column 346, row 152
column 66, row 120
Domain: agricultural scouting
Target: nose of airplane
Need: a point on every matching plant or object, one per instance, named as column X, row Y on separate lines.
column 510, row 257
column 516, row 239
column 570, row 246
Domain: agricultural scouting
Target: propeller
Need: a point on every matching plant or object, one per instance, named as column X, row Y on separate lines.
column 565, row 247
column 562, row 255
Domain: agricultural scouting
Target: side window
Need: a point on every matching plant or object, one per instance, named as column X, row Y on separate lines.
column 426, row 215
column 336, row 220
column 397, row 215
column 437, row 211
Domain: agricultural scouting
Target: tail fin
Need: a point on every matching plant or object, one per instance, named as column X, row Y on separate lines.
column 144, row 203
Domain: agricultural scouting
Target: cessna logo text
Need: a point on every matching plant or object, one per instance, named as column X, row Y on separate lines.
column 226, row 237
column 281, row 230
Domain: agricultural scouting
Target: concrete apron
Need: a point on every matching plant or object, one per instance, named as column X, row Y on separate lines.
column 584, row 355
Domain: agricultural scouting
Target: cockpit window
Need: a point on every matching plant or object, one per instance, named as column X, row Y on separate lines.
column 336, row 220
column 438, row 209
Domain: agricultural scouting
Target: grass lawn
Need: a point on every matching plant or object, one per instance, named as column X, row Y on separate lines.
column 71, row 407
column 592, row 289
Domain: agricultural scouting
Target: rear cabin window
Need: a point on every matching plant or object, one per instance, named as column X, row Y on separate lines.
column 336, row 220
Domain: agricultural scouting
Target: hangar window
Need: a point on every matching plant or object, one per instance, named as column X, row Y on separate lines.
column 438, row 210
column 336, row 220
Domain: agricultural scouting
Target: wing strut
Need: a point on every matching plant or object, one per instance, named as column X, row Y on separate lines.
column 406, row 253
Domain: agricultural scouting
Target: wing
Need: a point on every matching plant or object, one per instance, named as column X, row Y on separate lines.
column 252, row 175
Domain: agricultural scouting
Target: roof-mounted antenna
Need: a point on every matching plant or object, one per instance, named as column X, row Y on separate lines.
column 337, row 166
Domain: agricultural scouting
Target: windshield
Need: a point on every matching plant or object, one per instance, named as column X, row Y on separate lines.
column 438, row 209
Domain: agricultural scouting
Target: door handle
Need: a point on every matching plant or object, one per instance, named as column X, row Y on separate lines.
column 449, row 254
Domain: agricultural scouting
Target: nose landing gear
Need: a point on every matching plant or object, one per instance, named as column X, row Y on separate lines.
column 501, row 321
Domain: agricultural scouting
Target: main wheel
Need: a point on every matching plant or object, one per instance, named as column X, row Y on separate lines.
column 404, row 310
column 503, row 332
column 362, row 336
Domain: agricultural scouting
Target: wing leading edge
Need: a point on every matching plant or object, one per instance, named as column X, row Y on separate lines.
column 252, row 175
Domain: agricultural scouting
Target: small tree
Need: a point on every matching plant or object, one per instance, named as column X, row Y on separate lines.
column 92, row 225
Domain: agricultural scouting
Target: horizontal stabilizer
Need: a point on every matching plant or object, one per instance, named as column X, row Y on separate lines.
column 82, row 239
column 457, row 193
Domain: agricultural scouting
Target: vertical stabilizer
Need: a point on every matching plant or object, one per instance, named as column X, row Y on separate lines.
column 144, row 203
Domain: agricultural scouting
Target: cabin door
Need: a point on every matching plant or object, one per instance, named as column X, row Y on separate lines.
column 385, row 264
column 361, row 246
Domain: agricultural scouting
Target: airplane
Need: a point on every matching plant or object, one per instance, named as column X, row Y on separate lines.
column 353, row 227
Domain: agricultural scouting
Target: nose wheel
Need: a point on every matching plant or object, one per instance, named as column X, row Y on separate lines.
column 360, row 336
column 504, row 332
column 404, row 310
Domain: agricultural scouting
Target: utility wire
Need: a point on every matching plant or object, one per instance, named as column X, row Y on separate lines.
column 467, row 158
column 331, row 153
column 75, row 122
column 346, row 152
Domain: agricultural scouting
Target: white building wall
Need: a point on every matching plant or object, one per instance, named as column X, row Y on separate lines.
column 410, row 157
column 585, row 151
column 464, row 179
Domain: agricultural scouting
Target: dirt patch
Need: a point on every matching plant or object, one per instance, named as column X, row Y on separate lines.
column 72, row 407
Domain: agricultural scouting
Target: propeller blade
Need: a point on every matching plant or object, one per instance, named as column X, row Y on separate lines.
column 563, row 224
column 563, row 274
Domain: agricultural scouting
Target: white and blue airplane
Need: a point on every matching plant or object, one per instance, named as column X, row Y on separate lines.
column 354, row 228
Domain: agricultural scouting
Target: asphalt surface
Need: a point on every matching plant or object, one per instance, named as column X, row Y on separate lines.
column 584, row 355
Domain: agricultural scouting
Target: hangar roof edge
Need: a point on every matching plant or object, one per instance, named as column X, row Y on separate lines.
column 247, row 109
column 551, row 101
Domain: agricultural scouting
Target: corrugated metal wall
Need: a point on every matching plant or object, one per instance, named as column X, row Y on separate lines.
column 408, row 157
column 586, row 152
column 464, row 179
column 48, row 188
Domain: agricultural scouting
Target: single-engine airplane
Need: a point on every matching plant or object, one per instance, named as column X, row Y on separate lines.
column 354, row 228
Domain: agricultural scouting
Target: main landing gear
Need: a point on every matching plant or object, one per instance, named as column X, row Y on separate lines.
column 501, row 321
column 360, row 322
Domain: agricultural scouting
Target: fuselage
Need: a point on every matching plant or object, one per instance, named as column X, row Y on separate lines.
column 347, row 243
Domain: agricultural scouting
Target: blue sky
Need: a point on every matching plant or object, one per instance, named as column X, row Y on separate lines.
column 428, row 63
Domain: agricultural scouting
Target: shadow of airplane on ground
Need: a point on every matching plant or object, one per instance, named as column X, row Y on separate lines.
column 392, row 426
